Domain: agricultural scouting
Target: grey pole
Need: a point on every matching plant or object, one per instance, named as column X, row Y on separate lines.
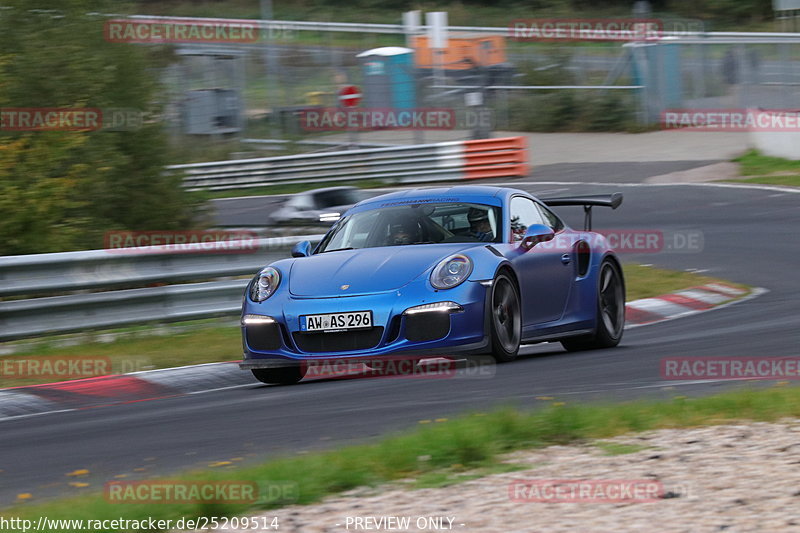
column 269, row 57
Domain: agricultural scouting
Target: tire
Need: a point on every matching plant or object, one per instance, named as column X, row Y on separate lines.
column 505, row 319
column 286, row 375
column 610, row 312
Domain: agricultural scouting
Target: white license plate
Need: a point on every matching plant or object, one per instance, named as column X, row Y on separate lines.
column 336, row 321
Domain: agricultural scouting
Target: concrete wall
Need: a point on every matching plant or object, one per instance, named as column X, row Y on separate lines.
column 785, row 144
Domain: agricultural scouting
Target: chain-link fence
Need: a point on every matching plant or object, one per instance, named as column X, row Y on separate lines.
column 257, row 92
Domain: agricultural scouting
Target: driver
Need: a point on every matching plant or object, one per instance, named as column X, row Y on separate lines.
column 479, row 226
column 403, row 232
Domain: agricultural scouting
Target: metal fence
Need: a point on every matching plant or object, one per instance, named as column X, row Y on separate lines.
column 543, row 86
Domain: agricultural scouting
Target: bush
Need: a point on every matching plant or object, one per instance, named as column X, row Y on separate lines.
column 61, row 190
column 571, row 111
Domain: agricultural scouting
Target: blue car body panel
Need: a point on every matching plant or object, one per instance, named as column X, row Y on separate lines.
column 557, row 300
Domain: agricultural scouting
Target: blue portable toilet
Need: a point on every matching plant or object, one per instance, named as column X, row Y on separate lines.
column 389, row 79
column 658, row 68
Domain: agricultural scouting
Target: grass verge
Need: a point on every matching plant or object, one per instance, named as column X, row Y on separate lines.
column 646, row 282
column 134, row 349
column 473, row 444
column 790, row 181
column 211, row 341
column 759, row 168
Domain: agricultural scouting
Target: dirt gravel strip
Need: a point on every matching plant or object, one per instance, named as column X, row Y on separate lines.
column 734, row 478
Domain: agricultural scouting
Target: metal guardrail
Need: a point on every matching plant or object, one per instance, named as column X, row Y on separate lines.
column 62, row 314
column 395, row 163
column 25, row 275
column 453, row 160
column 28, row 275
column 282, row 143
column 399, row 29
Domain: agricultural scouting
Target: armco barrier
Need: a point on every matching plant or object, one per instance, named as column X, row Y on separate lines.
column 101, row 270
column 26, row 275
column 77, row 312
column 495, row 158
column 455, row 160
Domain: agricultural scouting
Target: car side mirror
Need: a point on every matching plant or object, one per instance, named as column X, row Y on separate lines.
column 535, row 234
column 301, row 249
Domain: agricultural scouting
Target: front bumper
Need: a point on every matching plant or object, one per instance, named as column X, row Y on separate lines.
column 277, row 340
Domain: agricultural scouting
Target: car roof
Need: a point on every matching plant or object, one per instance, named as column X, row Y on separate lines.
column 458, row 193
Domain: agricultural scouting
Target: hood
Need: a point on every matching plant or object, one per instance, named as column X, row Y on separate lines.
column 367, row 270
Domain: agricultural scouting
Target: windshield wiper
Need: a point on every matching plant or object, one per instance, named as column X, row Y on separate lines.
column 337, row 250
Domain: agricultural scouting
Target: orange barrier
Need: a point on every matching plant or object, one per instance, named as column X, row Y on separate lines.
column 496, row 158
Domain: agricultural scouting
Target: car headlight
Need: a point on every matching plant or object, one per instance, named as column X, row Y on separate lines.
column 451, row 272
column 265, row 285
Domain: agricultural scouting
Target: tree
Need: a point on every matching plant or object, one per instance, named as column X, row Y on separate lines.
column 61, row 190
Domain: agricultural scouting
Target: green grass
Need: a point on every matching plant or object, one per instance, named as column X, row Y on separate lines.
column 646, row 282
column 210, row 341
column 759, row 168
column 432, row 455
column 791, row 181
column 200, row 342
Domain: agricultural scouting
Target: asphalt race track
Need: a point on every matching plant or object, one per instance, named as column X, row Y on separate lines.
column 749, row 236
column 255, row 211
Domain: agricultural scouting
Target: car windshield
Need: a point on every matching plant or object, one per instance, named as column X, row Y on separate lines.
column 417, row 223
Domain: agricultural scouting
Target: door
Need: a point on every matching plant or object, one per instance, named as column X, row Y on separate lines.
column 546, row 271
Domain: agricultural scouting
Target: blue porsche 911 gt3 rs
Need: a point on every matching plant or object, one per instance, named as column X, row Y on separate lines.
column 425, row 272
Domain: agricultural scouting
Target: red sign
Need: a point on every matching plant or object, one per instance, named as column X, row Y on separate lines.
column 350, row 96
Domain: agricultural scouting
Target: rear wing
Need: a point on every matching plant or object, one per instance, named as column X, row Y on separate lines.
column 603, row 200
